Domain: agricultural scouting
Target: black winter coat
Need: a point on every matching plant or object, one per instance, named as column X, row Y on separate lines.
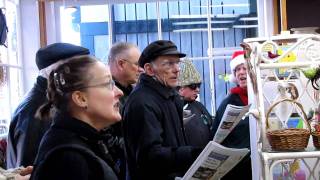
column 199, row 128
column 25, row 131
column 114, row 140
column 153, row 131
column 238, row 138
column 72, row 149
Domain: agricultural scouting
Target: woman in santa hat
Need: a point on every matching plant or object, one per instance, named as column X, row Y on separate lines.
column 240, row 136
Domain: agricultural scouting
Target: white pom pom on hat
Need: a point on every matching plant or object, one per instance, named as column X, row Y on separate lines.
column 236, row 60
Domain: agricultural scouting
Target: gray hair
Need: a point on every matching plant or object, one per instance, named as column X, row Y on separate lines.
column 119, row 49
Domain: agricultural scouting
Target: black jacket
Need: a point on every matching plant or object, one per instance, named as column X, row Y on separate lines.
column 72, row 149
column 238, row 138
column 114, row 140
column 199, row 127
column 153, row 131
column 25, row 131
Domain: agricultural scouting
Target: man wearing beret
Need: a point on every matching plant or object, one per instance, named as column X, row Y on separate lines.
column 25, row 131
column 152, row 118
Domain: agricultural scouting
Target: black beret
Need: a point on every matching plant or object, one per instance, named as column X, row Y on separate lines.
column 58, row 51
column 158, row 48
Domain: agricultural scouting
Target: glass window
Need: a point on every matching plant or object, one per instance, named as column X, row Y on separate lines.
column 69, row 25
column 135, row 23
column 185, row 22
column 10, row 69
column 86, row 25
column 4, row 98
column 94, row 13
column 101, row 47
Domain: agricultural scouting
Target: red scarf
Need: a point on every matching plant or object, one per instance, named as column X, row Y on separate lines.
column 242, row 92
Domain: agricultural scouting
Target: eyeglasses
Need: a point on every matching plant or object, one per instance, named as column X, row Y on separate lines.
column 170, row 64
column 133, row 63
column 109, row 85
column 194, row 86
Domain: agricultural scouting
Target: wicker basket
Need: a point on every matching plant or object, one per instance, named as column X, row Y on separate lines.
column 290, row 139
column 316, row 139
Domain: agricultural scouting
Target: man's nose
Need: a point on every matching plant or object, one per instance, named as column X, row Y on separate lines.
column 176, row 67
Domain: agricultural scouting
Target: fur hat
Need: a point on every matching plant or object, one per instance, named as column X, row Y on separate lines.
column 54, row 52
column 188, row 74
column 156, row 49
column 236, row 60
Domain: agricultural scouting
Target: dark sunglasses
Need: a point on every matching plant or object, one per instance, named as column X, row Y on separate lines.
column 194, row 86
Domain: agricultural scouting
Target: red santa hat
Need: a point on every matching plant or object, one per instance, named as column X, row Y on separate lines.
column 236, row 60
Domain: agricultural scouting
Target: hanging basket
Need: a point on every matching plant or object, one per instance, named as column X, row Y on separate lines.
column 290, row 139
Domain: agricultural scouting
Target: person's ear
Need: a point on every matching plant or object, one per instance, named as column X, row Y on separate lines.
column 148, row 68
column 120, row 63
column 80, row 99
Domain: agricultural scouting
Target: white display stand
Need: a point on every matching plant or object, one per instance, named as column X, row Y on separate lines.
column 304, row 52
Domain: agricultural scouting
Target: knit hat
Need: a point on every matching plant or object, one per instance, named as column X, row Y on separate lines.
column 58, row 51
column 156, row 49
column 188, row 74
column 236, row 60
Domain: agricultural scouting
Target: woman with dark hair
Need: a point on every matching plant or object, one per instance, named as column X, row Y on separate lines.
column 82, row 100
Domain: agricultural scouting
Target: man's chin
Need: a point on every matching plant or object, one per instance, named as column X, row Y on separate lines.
column 173, row 84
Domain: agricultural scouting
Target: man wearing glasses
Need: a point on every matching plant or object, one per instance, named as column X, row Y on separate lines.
column 125, row 70
column 198, row 123
column 154, row 136
column 124, row 66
